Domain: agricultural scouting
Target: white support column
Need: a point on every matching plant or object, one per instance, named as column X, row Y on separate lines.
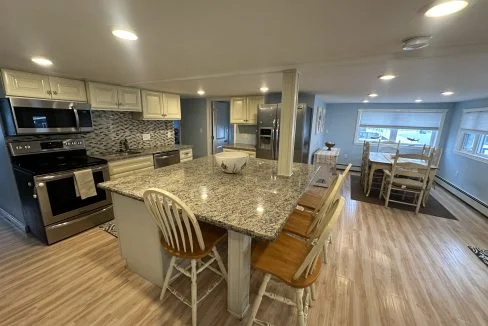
column 289, row 101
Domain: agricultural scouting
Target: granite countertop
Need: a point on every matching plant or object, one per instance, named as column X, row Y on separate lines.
column 255, row 202
column 244, row 147
column 143, row 152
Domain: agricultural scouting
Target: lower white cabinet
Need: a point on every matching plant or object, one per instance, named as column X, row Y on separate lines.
column 123, row 168
column 186, row 155
column 250, row 153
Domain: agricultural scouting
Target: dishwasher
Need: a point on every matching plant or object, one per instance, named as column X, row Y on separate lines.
column 166, row 159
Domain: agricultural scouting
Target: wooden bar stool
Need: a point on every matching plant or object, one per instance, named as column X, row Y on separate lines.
column 312, row 201
column 184, row 238
column 293, row 262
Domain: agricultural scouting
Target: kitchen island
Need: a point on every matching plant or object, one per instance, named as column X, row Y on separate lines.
column 254, row 204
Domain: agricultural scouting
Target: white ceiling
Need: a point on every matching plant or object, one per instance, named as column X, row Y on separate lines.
column 232, row 48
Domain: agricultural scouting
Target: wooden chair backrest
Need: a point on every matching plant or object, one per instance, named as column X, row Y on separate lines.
column 437, row 155
column 404, row 168
column 310, row 260
column 387, row 146
column 332, row 194
column 176, row 221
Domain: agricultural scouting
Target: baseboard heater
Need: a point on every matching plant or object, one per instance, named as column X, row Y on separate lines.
column 469, row 199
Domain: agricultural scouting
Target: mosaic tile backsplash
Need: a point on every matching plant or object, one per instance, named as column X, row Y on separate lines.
column 110, row 127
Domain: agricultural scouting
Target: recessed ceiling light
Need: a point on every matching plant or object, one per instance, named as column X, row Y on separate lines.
column 42, row 61
column 419, row 100
column 445, row 8
column 387, row 77
column 365, row 101
column 373, row 95
column 447, row 93
column 416, row 43
column 125, row 35
column 264, row 89
column 201, row 92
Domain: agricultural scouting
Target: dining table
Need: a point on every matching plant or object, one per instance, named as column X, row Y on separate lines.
column 252, row 205
column 381, row 160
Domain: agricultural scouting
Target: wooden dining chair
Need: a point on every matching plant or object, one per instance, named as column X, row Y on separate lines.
column 184, row 238
column 293, row 262
column 312, row 201
column 409, row 174
column 436, row 160
column 365, row 165
column 387, row 146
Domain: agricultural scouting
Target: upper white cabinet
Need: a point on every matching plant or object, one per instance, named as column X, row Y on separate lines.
column 114, row 98
column 171, row 106
column 159, row 106
column 243, row 110
column 67, row 89
column 19, row 83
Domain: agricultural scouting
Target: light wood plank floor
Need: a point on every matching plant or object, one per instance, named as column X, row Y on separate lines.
column 386, row 267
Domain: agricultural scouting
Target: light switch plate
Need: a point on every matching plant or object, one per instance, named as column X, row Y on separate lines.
column 146, row 136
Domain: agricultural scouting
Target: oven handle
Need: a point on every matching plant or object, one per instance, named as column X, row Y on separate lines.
column 57, row 176
column 77, row 117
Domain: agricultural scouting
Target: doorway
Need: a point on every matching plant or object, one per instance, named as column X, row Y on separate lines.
column 222, row 131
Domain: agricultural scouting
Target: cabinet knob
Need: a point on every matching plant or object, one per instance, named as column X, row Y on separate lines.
column 41, row 184
column 55, row 92
column 34, row 196
column 49, row 92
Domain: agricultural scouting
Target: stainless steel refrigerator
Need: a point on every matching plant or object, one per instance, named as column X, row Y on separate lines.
column 268, row 137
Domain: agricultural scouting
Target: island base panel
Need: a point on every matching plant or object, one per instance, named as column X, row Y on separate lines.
column 239, row 266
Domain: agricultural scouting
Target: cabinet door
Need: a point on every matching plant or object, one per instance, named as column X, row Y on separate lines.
column 67, row 89
column 18, row 83
column 171, row 106
column 152, row 105
column 252, row 108
column 103, row 96
column 130, row 99
column 238, row 110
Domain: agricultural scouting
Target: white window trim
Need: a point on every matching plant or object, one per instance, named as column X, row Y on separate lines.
column 439, row 133
column 459, row 140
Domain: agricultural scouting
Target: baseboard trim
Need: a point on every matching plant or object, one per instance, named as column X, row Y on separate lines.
column 466, row 197
column 12, row 220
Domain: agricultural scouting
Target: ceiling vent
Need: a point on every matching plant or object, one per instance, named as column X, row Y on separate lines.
column 416, row 43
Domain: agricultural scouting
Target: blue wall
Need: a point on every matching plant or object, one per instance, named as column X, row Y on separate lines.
column 472, row 175
column 341, row 120
column 194, row 125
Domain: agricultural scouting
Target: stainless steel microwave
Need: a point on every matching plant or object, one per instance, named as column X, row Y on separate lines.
column 23, row 116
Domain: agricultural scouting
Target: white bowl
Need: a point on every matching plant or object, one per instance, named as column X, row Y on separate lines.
column 232, row 162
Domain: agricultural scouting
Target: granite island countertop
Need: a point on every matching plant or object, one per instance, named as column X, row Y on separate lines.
column 255, row 202
column 143, row 152
column 243, row 147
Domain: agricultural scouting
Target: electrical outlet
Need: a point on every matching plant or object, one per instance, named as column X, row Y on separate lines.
column 146, row 136
column 346, row 156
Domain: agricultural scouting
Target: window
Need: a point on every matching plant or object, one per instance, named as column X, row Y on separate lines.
column 409, row 127
column 473, row 134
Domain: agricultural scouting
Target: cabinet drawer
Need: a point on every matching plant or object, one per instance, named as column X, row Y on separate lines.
column 185, row 154
column 130, row 165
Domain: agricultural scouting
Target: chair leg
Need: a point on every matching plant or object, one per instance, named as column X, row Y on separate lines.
column 387, row 198
column 221, row 264
column 419, row 202
column 306, row 304
column 194, row 292
column 259, row 298
column 299, row 303
column 313, row 292
column 324, row 253
column 168, row 277
column 382, row 185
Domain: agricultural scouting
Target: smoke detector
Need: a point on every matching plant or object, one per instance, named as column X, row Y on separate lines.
column 416, row 43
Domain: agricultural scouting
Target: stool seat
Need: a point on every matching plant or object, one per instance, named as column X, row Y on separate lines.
column 299, row 223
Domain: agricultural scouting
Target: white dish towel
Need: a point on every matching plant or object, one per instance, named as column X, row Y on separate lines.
column 84, row 184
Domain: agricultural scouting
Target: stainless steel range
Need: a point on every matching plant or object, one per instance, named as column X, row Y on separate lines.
column 44, row 172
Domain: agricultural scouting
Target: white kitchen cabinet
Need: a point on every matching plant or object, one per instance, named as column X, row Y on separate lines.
column 243, row 110
column 129, row 99
column 18, row 83
column 67, row 89
column 171, row 106
column 252, row 108
column 130, row 166
column 238, row 110
column 152, row 105
column 25, row 84
column 103, row 96
column 186, row 155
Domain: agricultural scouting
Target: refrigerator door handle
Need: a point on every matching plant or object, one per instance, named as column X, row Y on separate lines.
column 276, row 139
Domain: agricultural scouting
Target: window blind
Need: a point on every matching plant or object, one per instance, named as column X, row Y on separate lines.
column 475, row 120
column 401, row 119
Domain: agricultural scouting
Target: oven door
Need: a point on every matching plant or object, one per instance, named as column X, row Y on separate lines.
column 57, row 195
column 47, row 117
